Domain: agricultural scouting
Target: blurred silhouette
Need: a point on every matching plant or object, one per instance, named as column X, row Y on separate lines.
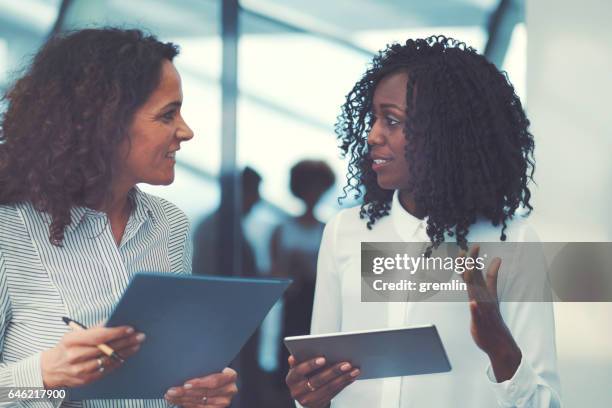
column 207, row 249
column 207, row 246
column 294, row 248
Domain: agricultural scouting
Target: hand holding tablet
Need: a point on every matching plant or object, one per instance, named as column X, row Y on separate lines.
column 323, row 365
column 313, row 383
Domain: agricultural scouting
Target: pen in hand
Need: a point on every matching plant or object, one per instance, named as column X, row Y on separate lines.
column 104, row 348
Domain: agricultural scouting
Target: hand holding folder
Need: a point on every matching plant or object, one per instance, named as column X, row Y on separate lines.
column 218, row 388
column 188, row 334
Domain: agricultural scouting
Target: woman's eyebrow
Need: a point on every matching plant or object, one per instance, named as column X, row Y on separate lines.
column 173, row 104
column 391, row 105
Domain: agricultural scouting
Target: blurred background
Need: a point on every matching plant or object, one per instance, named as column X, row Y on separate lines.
column 263, row 81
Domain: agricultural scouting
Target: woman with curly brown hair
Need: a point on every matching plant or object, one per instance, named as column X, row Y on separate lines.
column 439, row 146
column 98, row 111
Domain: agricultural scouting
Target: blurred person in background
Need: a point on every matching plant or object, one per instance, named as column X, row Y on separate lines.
column 206, row 261
column 96, row 113
column 294, row 247
column 440, row 150
column 207, row 245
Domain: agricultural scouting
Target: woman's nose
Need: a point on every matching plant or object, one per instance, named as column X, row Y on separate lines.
column 375, row 137
column 184, row 132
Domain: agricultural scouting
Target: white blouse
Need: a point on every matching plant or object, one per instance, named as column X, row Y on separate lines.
column 471, row 382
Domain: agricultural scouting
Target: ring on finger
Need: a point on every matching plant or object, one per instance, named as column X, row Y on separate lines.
column 205, row 398
column 309, row 386
column 100, row 365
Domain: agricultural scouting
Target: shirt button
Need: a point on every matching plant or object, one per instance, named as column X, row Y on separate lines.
column 512, row 387
column 520, row 401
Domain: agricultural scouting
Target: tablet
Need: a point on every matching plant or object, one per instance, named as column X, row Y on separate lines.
column 377, row 353
column 195, row 325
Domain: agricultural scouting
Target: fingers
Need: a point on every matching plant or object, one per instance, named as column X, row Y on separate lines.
column 492, row 273
column 229, row 389
column 300, row 371
column 292, row 361
column 475, row 311
column 328, row 391
column 79, row 354
column 477, row 288
column 88, row 371
column 472, row 274
column 328, row 375
column 202, row 405
column 86, row 368
column 128, row 352
column 213, row 381
column 97, row 335
column 180, row 396
column 469, row 274
column 230, row 371
column 199, row 391
column 191, row 391
column 320, row 388
column 125, row 347
column 127, row 342
column 337, row 385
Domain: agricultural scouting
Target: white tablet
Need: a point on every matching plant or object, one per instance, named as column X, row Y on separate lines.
column 377, row 353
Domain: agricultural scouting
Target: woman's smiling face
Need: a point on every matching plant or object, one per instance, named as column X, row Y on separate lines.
column 386, row 139
column 157, row 130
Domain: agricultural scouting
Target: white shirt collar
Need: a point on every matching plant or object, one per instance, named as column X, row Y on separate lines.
column 409, row 227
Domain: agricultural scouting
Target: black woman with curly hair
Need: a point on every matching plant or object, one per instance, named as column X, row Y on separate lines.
column 440, row 151
column 98, row 111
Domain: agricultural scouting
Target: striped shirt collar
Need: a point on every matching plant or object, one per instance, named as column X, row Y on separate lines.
column 142, row 210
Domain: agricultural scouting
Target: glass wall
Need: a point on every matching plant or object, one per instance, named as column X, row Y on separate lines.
column 24, row 26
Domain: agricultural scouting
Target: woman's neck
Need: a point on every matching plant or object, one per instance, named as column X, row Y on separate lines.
column 118, row 208
column 117, row 205
column 407, row 201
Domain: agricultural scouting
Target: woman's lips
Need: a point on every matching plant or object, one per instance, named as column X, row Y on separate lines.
column 378, row 164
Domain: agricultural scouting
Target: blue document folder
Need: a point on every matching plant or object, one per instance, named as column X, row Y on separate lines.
column 195, row 325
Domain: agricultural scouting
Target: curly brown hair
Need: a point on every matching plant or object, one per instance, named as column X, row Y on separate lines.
column 68, row 113
column 469, row 150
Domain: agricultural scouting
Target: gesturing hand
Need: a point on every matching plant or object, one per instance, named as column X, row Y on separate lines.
column 212, row 391
column 488, row 329
column 76, row 359
column 314, row 385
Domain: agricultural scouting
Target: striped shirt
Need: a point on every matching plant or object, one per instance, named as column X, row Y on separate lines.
column 84, row 279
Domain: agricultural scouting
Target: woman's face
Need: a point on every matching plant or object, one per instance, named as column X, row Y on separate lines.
column 386, row 138
column 156, row 133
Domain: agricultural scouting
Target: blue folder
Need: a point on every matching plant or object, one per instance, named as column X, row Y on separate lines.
column 195, row 325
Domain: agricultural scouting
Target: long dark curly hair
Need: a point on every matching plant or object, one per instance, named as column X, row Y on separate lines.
column 67, row 115
column 469, row 149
